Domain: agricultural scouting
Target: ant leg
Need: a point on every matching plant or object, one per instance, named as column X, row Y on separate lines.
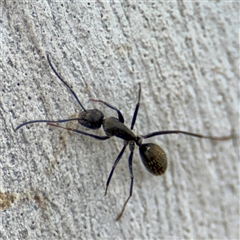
column 120, row 116
column 132, row 177
column 73, row 93
column 45, row 121
column 136, row 108
column 186, row 133
column 81, row 132
column 114, row 165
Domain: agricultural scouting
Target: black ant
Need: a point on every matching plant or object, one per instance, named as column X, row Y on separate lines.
column 153, row 157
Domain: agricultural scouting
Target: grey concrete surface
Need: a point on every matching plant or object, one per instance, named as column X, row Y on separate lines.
column 186, row 57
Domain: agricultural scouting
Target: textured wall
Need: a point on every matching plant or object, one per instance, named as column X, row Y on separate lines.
column 186, row 57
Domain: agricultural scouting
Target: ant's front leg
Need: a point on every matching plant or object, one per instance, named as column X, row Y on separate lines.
column 120, row 116
column 81, row 132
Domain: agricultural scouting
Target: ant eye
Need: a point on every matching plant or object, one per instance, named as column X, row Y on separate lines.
column 153, row 158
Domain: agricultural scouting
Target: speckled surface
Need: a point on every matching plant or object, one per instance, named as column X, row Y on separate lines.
column 186, row 57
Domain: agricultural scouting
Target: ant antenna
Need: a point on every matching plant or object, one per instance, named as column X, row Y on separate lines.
column 55, row 121
column 73, row 93
column 45, row 121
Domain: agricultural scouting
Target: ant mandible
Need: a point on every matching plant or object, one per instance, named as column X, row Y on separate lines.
column 153, row 157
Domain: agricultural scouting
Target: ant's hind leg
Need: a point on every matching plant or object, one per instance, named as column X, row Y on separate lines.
column 131, row 185
column 114, row 166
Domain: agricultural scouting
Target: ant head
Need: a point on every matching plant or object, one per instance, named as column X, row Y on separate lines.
column 91, row 118
column 153, row 158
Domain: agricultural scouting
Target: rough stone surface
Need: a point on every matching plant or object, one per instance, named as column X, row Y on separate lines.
column 186, row 57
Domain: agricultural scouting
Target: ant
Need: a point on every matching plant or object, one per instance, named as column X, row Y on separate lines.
column 153, row 157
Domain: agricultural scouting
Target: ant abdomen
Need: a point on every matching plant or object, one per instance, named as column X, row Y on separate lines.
column 91, row 118
column 153, row 158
